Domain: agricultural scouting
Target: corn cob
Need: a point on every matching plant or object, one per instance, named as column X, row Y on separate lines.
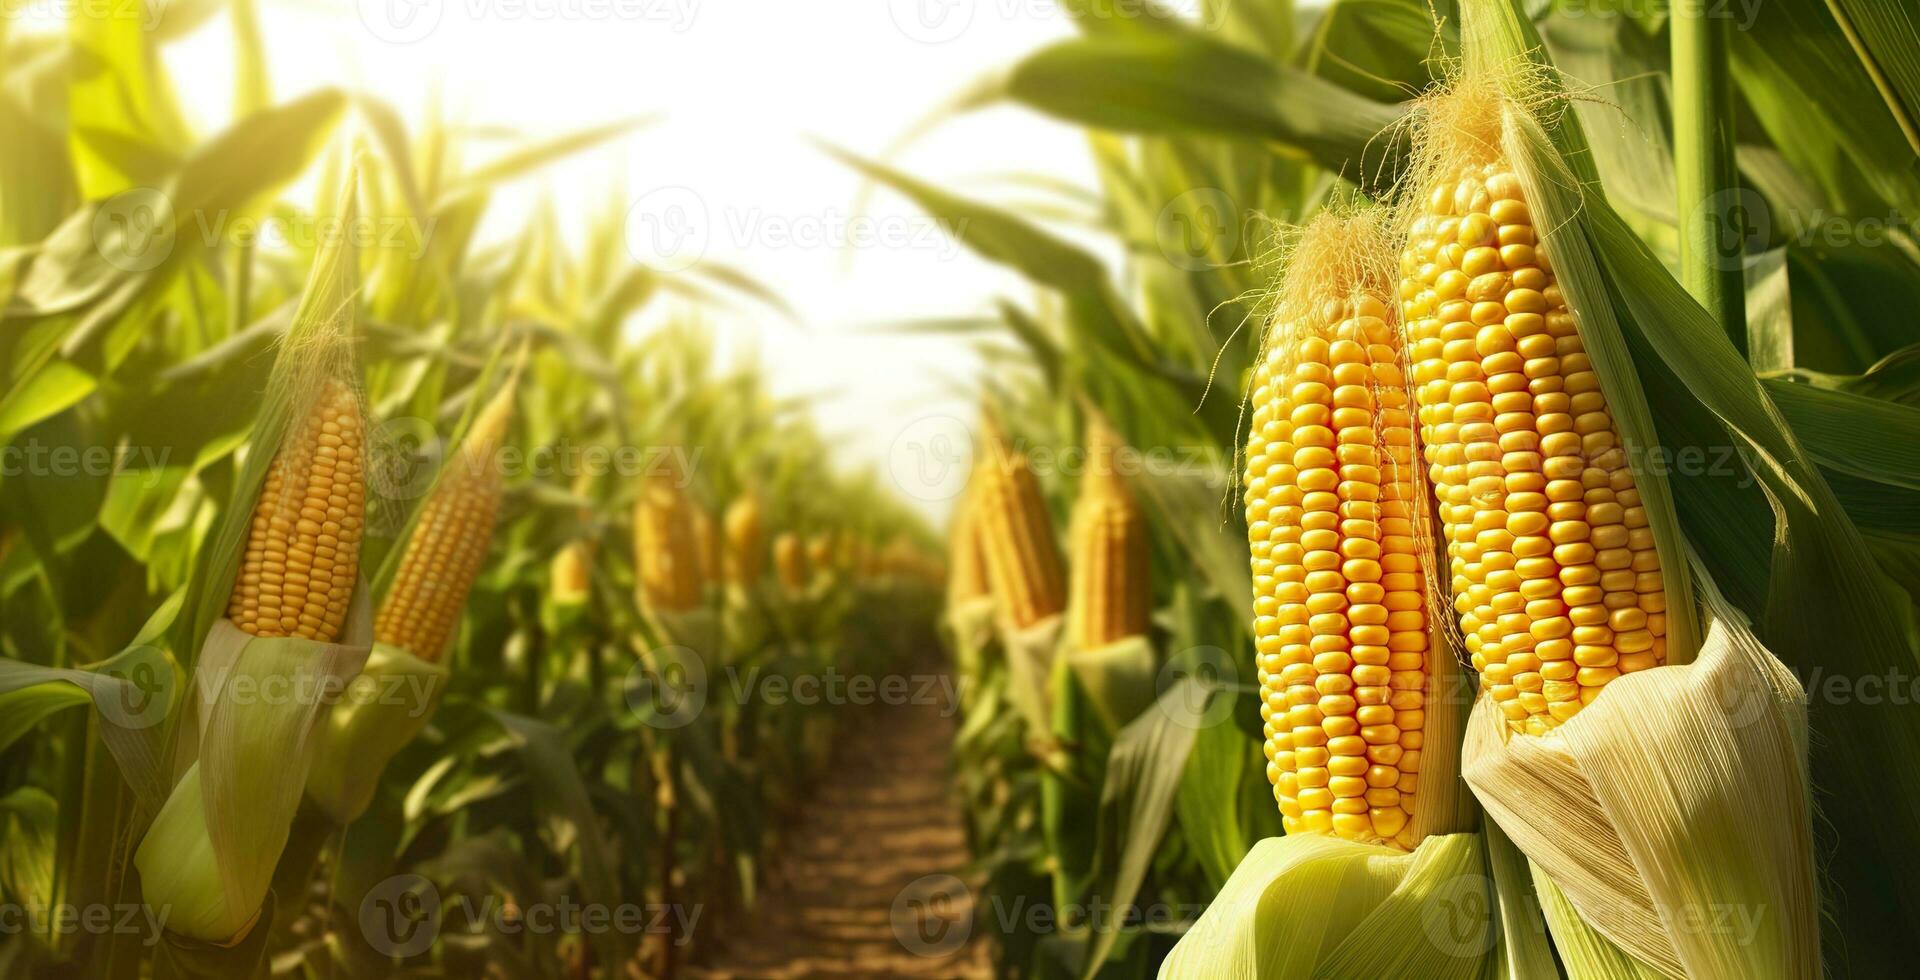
column 1023, row 560
column 819, row 553
column 791, row 560
column 570, row 575
column 665, row 546
column 448, row 543
column 1334, row 501
column 1111, row 594
column 968, row 580
column 746, row 555
column 706, row 535
column 302, row 559
column 1551, row 563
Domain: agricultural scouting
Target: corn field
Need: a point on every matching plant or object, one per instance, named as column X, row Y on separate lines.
column 1437, row 496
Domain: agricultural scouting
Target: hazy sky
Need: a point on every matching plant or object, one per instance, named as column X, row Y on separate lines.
column 730, row 172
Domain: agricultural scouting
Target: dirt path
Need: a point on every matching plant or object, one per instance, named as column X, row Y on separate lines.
column 867, row 888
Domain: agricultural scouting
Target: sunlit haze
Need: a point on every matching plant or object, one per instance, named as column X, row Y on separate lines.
column 741, row 105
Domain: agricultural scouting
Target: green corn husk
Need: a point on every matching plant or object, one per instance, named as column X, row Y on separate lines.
column 1117, row 679
column 1312, row 905
column 1030, row 654
column 209, row 856
column 393, row 699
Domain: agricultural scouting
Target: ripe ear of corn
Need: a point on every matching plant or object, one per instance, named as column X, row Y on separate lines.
column 1340, row 597
column 449, row 541
column 967, row 579
column 1112, row 597
column 302, row 558
column 706, row 536
column 208, row 857
column 819, row 553
column 746, row 555
column 570, row 574
column 1551, row 562
column 666, row 546
column 1023, row 559
column 791, row 559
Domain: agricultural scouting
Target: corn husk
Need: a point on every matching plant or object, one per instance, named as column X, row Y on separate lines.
column 1679, row 797
column 1030, row 654
column 1118, row 679
column 386, row 706
column 210, row 853
column 1668, row 805
column 1310, row 906
column 251, row 725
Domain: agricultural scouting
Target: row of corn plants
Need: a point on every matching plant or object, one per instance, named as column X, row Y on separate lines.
column 359, row 578
column 1566, row 416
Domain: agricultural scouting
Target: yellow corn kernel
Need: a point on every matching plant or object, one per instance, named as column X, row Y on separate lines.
column 1505, row 350
column 448, row 543
column 746, row 555
column 1340, row 595
column 1023, row 559
column 1112, row 597
column 791, row 560
column 666, row 552
column 302, row 558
